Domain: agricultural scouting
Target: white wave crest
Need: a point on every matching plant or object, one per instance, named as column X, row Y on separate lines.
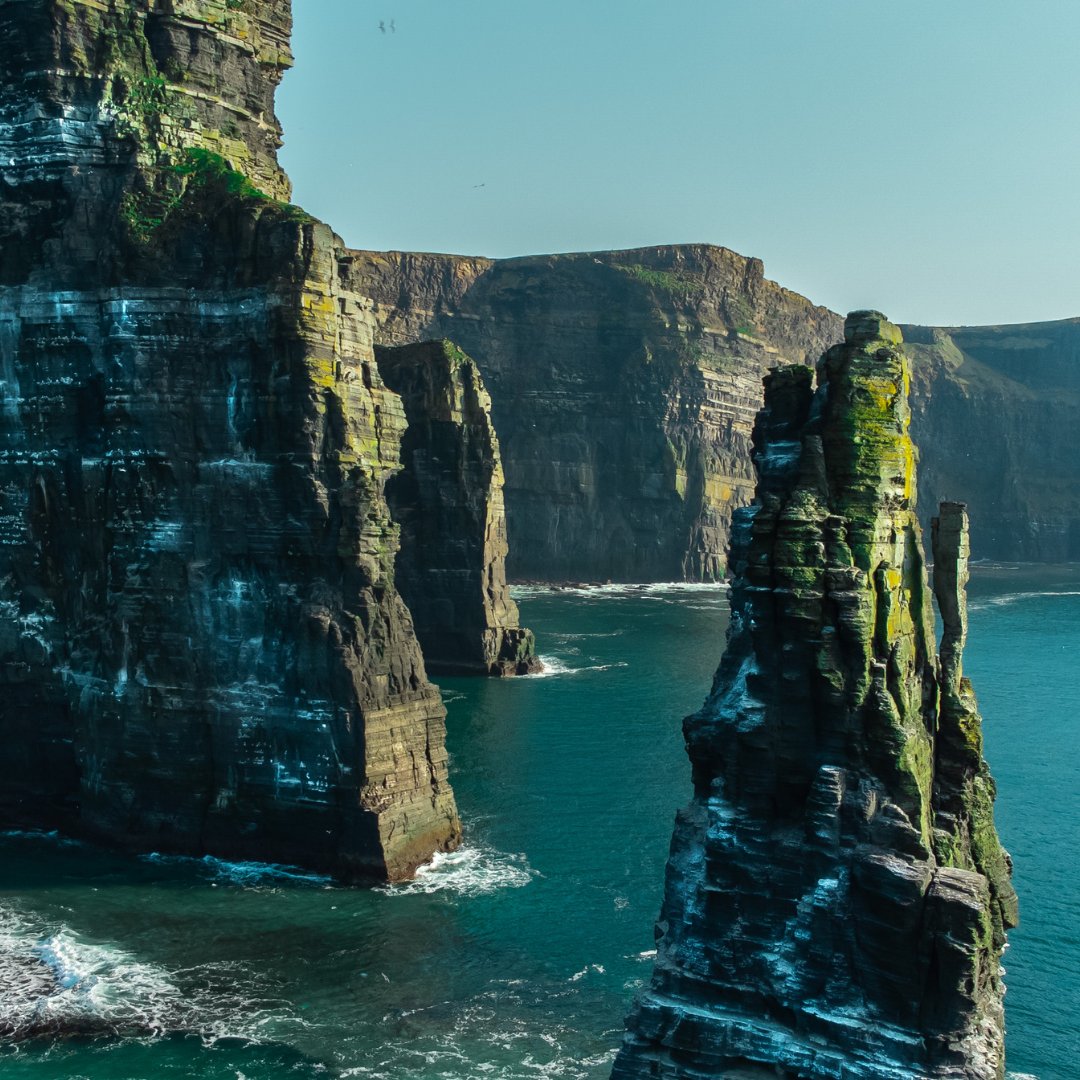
column 622, row 591
column 57, row 982
column 554, row 666
column 41, row 836
column 469, row 871
column 1008, row 599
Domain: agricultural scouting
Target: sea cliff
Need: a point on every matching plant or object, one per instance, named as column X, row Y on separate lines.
column 203, row 648
column 836, row 897
column 625, row 384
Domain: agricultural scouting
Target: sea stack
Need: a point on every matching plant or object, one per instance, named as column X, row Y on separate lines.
column 836, row 897
column 448, row 500
column 202, row 648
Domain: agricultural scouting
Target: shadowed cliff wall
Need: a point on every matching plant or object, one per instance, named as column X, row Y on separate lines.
column 625, row 384
column 203, row 649
column 623, row 387
column 448, row 501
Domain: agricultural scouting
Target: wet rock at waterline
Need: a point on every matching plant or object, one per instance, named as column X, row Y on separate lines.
column 837, row 897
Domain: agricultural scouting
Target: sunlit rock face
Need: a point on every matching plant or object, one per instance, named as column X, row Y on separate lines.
column 836, row 898
column 448, row 500
column 203, row 648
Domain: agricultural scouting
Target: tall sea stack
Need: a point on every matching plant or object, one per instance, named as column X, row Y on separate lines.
column 448, row 500
column 202, row 647
column 837, row 897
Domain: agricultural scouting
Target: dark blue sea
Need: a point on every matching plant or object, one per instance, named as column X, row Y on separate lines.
column 515, row 958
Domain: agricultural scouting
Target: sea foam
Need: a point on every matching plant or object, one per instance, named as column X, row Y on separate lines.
column 469, row 871
column 245, row 874
column 54, row 981
column 554, row 666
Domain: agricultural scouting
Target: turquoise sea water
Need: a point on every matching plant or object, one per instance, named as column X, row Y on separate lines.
column 516, row 957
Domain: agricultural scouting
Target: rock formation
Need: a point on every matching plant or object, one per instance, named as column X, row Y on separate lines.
column 448, row 500
column 837, row 897
column 202, row 649
column 625, row 383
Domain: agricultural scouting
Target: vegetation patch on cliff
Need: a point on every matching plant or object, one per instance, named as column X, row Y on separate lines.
column 676, row 282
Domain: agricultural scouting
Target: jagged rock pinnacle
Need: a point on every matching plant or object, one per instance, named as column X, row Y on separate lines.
column 836, row 895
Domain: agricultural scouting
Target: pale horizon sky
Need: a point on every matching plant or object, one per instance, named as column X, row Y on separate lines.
column 917, row 157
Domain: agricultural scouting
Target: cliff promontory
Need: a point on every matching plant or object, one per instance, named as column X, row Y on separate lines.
column 448, row 500
column 203, row 649
column 836, row 898
column 996, row 413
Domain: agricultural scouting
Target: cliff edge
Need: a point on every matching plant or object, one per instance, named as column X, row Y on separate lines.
column 625, row 385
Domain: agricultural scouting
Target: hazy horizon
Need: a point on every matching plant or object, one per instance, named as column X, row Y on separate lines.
column 909, row 158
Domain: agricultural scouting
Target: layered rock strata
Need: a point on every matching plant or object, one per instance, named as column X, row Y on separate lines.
column 836, row 898
column 625, row 384
column 448, row 500
column 203, row 649
column 624, row 387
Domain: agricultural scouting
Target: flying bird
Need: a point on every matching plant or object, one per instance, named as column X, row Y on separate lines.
column 382, row 27
column 479, row 185
column 393, row 28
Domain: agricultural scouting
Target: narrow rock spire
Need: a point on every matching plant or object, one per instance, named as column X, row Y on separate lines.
column 448, row 500
column 836, row 896
column 951, row 548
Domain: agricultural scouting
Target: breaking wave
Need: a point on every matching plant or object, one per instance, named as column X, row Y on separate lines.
column 656, row 589
column 469, row 871
column 553, row 666
column 54, row 982
column 1008, row 599
column 41, row 836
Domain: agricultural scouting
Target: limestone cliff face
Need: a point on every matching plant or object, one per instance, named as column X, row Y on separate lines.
column 203, row 649
column 837, row 897
column 448, row 500
column 997, row 411
column 623, row 385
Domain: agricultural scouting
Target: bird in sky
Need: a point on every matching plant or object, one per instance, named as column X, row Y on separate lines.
column 382, row 27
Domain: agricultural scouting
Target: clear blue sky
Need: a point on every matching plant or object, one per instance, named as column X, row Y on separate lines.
column 918, row 156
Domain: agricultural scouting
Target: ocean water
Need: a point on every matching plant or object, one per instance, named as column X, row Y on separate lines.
column 517, row 956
